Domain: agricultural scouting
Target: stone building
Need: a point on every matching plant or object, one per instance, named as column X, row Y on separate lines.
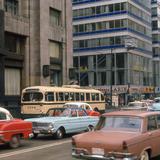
column 35, row 45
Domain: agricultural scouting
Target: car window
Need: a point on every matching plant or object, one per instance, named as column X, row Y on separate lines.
column 152, row 125
column 3, row 116
column 121, row 123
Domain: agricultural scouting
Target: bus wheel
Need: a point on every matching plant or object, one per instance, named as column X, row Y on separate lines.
column 15, row 141
column 60, row 133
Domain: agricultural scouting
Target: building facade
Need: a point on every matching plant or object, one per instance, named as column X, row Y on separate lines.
column 156, row 43
column 35, row 45
column 101, row 29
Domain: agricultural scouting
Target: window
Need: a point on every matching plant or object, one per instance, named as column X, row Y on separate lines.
column 12, row 81
column 55, row 17
column 3, row 116
column 66, row 96
column 54, row 49
column 49, row 96
column 82, row 96
column 77, row 96
column 32, row 96
column 72, row 97
column 11, row 6
column 152, row 125
column 61, row 96
column 87, row 96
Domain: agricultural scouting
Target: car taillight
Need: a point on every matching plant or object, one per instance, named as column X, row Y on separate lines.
column 124, row 146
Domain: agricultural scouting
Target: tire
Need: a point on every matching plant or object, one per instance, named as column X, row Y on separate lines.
column 35, row 135
column 90, row 128
column 15, row 141
column 60, row 133
column 144, row 155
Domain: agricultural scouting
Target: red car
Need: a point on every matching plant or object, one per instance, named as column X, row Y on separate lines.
column 12, row 130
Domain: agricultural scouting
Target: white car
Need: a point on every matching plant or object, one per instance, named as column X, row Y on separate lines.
column 136, row 105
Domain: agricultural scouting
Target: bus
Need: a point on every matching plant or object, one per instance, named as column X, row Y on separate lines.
column 37, row 100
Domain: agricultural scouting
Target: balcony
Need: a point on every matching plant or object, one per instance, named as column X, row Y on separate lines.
column 16, row 24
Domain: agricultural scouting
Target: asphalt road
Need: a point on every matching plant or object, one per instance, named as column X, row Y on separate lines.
column 42, row 148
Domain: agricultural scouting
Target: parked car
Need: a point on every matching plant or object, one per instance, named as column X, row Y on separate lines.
column 71, row 120
column 136, row 105
column 154, row 107
column 12, row 130
column 90, row 111
column 157, row 100
column 123, row 135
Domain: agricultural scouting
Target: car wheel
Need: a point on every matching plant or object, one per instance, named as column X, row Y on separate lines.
column 15, row 141
column 59, row 133
column 35, row 135
column 90, row 128
column 144, row 155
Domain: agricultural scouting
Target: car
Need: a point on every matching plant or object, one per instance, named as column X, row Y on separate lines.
column 71, row 120
column 136, row 105
column 123, row 135
column 155, row 107
column 157, row 100
column 90, row 111
column 12, row 130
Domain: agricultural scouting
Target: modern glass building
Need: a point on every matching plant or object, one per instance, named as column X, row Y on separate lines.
column 156, row 43
column 100, row 30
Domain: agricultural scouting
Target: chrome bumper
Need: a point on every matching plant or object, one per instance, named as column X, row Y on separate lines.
column 101, row 157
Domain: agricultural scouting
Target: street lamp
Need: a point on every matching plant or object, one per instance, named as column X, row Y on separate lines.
column 111, row 76
column 130, row 44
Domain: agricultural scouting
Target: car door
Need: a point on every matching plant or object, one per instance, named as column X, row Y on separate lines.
column 154, row 133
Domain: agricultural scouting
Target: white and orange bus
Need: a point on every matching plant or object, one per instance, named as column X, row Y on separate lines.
column 37, row 100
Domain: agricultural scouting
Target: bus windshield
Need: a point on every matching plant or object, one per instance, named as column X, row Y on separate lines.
column 32, row 96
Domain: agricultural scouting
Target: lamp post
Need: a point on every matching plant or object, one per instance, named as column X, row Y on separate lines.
column 130, row 44
column 111, row 77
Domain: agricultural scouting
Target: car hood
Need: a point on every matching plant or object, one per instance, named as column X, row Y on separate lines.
column 47, row 119
column 108, row 140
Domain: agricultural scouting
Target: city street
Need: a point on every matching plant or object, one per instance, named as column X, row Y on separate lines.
column 44, row 147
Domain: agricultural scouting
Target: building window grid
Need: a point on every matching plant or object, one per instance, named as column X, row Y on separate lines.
column 112, row 8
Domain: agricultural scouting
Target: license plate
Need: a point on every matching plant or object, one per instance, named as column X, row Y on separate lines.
column 98, row 151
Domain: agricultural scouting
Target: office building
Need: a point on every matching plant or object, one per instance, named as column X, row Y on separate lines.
column 113, row 45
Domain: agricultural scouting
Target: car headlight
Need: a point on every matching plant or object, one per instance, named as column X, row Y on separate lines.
column 51, row 126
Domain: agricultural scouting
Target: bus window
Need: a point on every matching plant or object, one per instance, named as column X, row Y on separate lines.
column 102, row 97
column 93, row 96
column 82, row 96
column 32, row 96
column 66, row 96
column 49, row 96
column 87, row 96
column 97, row 96
column 61, row 96
column 77, row 96
column 72, row 96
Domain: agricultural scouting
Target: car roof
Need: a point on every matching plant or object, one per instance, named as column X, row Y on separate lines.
column 131, row 113
column 76, row 103
column 4, row 110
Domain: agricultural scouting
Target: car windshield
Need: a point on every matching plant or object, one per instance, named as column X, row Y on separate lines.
column 120, row 123
column 55, row 112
